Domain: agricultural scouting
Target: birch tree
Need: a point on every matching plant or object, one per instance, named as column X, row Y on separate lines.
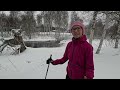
column 116, row 36
column 93, row 26
column 104, row 31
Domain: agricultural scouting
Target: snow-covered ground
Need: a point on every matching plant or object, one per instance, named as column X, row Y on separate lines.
column 31, row 64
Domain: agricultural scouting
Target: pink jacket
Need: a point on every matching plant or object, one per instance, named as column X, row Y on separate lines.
column 80, row 55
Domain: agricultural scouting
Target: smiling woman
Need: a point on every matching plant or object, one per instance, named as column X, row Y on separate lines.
column 79, row 54
column 77, row 31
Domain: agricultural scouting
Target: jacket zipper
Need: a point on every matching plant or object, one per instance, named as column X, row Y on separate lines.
column 72, row 57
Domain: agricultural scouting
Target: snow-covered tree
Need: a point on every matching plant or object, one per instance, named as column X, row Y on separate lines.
column 114, row 32
column 93, row 26
column 14, row 21
column 107, row 25
column 28, row 23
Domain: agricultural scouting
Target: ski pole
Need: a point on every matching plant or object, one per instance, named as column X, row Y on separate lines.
column 47, row 71
column 48, row 67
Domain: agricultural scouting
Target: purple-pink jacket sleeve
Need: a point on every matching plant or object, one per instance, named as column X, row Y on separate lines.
column 89, row 63
column 63, row 59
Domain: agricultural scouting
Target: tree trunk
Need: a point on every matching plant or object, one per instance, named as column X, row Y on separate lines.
column 57, row 34
column 103, row 35
column 116, row 42
column 93, row 27
column 117, row 36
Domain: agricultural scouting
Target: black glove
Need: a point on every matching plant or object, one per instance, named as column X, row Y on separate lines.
column 49, row 60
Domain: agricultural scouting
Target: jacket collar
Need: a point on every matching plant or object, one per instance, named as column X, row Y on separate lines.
column 80, row 39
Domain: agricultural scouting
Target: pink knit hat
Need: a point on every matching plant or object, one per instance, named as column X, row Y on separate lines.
column 78, row 23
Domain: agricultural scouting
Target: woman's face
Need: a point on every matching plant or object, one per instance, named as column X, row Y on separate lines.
column 76, row 31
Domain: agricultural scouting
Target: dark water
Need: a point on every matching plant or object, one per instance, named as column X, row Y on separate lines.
column 38, row 44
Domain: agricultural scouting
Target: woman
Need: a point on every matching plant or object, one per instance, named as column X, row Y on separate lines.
column 79, row 53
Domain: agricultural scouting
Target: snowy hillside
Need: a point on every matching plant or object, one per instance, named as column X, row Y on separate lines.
column 31, row 64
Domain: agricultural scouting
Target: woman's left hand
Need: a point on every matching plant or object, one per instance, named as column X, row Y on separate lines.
column 85, row 77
